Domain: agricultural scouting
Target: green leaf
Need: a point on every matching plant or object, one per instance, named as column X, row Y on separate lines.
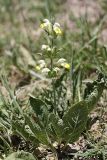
column 75, row 120
column 94, row 95
column 20, row 129
column 38, row 132
column 21, row 155
column 56, row 125
column 38, row 106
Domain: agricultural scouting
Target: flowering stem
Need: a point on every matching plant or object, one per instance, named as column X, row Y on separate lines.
column 55, row 110
column 51, row 58
column 53, row 83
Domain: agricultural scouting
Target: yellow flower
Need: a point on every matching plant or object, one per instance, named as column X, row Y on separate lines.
column 57, row 29
column 67, row 66
column 42, row 25
column 46, row 25
column 38, row 68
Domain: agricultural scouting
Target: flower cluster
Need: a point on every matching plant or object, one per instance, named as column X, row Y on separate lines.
column 43, row 67
column 63, row 63
column 53, row 67
column 51, row 28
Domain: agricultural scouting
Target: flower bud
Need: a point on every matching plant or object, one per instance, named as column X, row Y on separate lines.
column 44, row 47
column 45, row 71
column 42, row 63
column 56, row 69
column 61, row 60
